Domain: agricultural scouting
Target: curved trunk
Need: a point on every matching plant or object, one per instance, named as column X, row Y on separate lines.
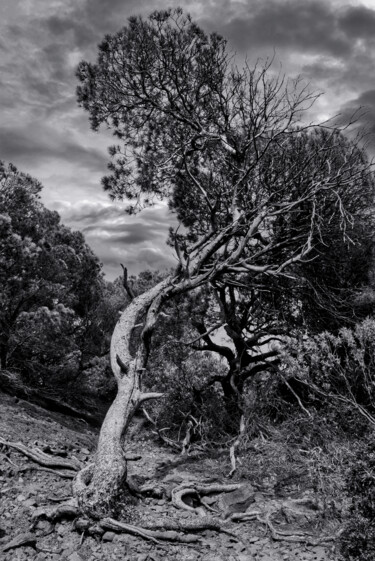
column 98, row 488
column 99, row 496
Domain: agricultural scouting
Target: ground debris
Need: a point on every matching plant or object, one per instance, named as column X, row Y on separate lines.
column 20, row 540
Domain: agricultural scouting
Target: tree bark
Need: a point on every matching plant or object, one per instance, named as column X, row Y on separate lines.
column 98, row 487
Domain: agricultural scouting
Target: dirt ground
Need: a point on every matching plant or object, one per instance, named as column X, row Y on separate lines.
column 25, row 488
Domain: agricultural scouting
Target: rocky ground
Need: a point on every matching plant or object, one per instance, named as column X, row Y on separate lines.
column 25, row 487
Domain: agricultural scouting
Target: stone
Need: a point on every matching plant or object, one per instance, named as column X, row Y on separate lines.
column 238, row 500
column 108, row 536
column 75, row 557
column 44, row 525
column 30, row 503
column 61, row 529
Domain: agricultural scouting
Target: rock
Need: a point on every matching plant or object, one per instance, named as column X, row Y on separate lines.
column 62, row 529
column 209, row 500
column 319, row 553
column 238, row 500
column 44, row 526
column 122, row 538
column 75, row 557
column 30, row 502
column 108, row 536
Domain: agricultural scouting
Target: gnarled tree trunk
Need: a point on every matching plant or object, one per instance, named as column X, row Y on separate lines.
column 98, row 487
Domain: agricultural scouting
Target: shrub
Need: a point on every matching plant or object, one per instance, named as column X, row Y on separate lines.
column 357, row 541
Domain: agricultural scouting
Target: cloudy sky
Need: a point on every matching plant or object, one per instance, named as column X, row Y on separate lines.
column 331, row 43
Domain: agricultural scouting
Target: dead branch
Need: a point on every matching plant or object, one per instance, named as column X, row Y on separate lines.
column 42, row 458
column 20, row 540
column 296, row 396
column 64, row 474
column 159, row 432
column 128, row 287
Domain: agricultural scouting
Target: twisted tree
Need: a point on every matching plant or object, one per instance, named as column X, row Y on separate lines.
column 217, row 142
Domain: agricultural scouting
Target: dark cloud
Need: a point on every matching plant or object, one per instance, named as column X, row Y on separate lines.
column 358, row 22
column 309, row 26
column 22, row 146
column 136, row 233
column 78, row 31
column 362, row 109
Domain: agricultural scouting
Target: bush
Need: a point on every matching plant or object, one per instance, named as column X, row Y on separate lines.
column 332, row 375
column 358, row 538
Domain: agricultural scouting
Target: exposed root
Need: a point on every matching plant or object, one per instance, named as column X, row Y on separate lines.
column 65, row 474
column 41, row 458
column 295, row 536
column 68, row 509
column 178, row 502
column 111, row 524
column 152, row 535
column 244, row 516
column 196, row 491
column 198, row 525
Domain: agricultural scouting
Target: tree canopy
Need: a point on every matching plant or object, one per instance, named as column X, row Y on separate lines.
column 50, row 280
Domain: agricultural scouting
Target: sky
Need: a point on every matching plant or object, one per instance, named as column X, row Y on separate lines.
column 43, row 131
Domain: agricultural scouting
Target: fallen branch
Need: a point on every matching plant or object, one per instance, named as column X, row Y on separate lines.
column 42, row 458
column 64, row 474
column 19, row 541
